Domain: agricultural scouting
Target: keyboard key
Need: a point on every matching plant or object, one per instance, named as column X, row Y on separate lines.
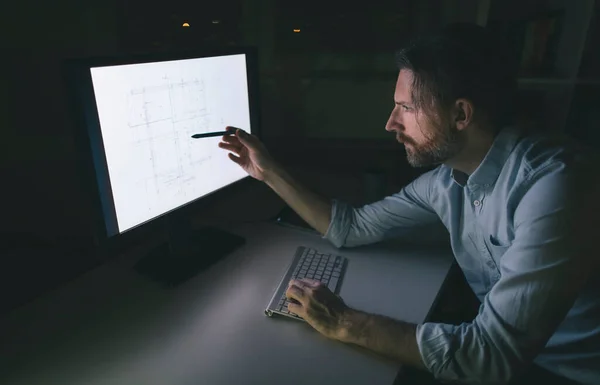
column 332, row 284
column 335, row 274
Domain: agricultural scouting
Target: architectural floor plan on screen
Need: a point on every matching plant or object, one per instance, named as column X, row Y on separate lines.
column 148, row 113
column 162, row 120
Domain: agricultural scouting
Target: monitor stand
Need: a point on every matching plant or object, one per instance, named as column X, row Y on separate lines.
column 186, row 252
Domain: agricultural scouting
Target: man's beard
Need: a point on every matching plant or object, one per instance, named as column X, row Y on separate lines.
column 439, row 147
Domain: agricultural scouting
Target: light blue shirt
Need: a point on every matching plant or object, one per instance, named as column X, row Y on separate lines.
column 524, row 229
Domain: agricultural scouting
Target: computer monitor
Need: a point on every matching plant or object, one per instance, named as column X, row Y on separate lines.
column 138, row 115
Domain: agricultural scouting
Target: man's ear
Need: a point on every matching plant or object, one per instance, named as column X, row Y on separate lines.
column 463, row 113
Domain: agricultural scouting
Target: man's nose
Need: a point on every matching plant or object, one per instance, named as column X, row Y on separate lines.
column 394, row 122
column 393, row 125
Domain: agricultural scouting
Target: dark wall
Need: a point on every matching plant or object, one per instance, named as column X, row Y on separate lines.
column 44, row 211
column 39, row 177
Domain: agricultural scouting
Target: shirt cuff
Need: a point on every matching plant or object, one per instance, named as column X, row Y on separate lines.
column 341, row 221
column 434, row 342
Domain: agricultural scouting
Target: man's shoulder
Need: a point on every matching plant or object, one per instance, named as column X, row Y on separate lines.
column 556, row 162
column 536, row 153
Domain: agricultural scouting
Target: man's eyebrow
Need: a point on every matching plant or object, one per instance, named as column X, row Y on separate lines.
column 398, row 103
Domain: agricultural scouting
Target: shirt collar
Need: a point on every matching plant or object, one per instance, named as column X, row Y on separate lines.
column 489, row 169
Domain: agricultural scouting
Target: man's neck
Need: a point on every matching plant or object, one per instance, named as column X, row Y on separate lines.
column 478, row 143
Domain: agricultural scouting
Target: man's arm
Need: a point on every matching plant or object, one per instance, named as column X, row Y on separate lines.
column 315, row 210
column 399, row 215
column 329, row 315
column 252, row 156
column 383, row 335
column 347, row 226
column 340, row 223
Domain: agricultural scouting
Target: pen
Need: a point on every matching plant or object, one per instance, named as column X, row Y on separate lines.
column 209, row 134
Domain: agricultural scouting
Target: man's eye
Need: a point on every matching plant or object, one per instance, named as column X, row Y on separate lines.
column 405, row 107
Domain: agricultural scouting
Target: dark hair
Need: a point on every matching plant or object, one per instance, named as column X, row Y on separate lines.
column 462, row 61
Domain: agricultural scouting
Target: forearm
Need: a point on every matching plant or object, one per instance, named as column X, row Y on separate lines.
column 382, row 335
column 315, row 210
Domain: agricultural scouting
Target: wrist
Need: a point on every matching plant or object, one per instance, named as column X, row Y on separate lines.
column 271, row 173
column 347, row 325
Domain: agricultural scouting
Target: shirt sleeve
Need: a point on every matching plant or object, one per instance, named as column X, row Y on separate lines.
column 541, row 275
column 393, row 216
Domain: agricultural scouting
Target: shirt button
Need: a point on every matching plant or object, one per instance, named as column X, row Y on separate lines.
column 477, row 202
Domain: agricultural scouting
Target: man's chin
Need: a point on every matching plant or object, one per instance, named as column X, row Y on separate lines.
column 416, row 161
column 414, row 164
column 413, row 161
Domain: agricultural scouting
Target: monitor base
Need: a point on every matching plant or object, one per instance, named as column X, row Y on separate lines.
column 185, row 255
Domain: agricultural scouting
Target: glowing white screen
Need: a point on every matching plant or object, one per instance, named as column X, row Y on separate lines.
column 148, row 113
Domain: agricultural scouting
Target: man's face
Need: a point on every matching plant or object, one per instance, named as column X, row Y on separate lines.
column 427, row 140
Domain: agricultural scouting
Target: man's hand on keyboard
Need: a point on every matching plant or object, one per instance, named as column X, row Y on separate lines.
column 318, row 306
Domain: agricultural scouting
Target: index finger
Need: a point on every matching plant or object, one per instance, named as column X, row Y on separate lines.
column 296, row 293
column 232, row 139
column 310, row 282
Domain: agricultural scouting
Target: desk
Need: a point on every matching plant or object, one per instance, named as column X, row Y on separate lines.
column 112, row 326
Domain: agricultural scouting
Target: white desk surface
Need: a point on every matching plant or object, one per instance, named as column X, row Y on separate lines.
column 112, row 326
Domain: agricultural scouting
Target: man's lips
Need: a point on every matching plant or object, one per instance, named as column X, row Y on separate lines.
column 403, row 140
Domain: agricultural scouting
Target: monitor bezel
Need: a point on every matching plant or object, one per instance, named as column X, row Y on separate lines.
column 80, row 87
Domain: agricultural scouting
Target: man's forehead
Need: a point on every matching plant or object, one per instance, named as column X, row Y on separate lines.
column 403, row 86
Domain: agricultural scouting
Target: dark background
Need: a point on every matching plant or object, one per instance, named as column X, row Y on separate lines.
column 325, row 91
